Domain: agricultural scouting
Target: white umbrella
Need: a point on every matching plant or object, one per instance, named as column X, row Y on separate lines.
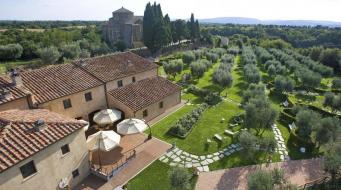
column 103, row 140
column 107, row 116
column 131, row 126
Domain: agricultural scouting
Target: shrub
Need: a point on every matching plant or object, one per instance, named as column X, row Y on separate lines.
column 212, row 98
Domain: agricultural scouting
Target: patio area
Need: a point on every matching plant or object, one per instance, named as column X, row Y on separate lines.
column 106, row 163
column 145, row 152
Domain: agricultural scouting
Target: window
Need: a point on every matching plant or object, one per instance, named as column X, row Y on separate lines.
column 28, row 169
column 65, row 149
column 145, row 113
column 160, row 105
column 67, row 103
column 133, row 79
column 88, row 96
column 75, row 173
column 120, row 83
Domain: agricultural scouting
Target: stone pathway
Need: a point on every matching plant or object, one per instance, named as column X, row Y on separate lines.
column 178, row 157
column 281, row 148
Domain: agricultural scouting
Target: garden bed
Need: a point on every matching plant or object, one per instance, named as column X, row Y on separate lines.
column 185, row 125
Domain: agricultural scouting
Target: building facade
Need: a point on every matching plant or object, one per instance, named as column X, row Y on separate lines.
column 124, row 27
column 12, row 95
column 48, row 148
column 82, row 88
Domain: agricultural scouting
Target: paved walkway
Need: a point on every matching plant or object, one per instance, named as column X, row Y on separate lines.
column 298, row 172
column 178, row 157
column 145, row 155
column 281, row 147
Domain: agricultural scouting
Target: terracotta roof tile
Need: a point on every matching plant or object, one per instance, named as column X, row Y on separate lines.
column 115, row 66
column 145, row 92
column 19, row 140
column 14, row 92
column 57, row 81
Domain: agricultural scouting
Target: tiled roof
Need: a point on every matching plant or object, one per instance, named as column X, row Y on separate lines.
column 19, row 140
column 14, row 92
column 54, row 82
column 145, row 92
column 122, row 10
column 115, row 66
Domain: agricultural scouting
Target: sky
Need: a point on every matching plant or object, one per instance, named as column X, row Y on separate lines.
column 102, row 9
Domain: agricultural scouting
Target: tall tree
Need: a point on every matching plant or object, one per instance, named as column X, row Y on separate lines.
column 148, row 26
column 156, row 33
column 191, row 27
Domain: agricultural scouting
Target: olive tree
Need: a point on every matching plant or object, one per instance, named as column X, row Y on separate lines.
column 198, row 68
column 179, row 178
column 49, row 55
column 173, row 67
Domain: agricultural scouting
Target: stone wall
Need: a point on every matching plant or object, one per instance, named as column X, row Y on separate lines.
column 80, row 108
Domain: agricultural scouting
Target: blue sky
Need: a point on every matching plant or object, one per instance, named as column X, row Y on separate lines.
column 101, row 9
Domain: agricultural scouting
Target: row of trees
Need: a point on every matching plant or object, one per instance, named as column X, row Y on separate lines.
column 71, row 43
column 249, row 60
column 313, row 128
column 222, row 75
column 299, row 37
column 308, row 78
column 160, row 31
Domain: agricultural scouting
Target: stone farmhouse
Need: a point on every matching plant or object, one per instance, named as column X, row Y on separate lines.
column 43, row 113
column 39, row 148
column 124, row 27
column 124, row 81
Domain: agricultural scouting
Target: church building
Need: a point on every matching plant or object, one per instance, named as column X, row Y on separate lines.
column 124, row 27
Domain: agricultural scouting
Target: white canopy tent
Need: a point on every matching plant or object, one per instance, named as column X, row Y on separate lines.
column 107, row 116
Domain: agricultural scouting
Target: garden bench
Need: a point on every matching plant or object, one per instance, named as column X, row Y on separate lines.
column 229, row 132
column 233, row 125
column 217, row 136
column 292, row 126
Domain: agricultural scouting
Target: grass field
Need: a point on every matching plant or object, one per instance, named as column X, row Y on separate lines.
column 207, row 126
column 155, row 177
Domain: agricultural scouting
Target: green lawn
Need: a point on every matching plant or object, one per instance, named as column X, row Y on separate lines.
column 237, row 160
column 154, row 177
column 235, row 92
column 207, row 126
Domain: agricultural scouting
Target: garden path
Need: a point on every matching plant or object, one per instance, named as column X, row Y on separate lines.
column 178, row 157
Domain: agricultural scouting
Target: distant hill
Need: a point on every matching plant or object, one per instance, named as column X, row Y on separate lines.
column 243, row 20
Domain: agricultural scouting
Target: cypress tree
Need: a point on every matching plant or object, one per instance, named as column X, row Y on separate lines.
column 191, row 27
column 148, row 26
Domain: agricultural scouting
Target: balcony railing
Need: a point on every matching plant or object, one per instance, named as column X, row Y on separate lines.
column 108, row 172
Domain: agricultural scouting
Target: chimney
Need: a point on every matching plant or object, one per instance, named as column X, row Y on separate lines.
column 16, row 78
column 39, row 125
